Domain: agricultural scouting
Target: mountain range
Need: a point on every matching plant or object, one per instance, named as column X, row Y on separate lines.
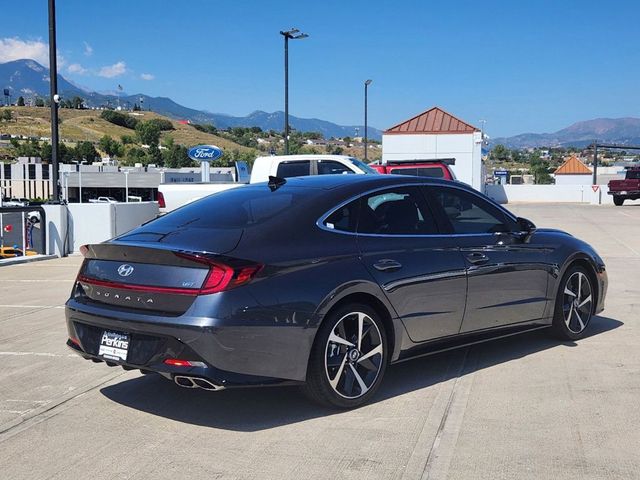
column 28, row 78
column 623, row 131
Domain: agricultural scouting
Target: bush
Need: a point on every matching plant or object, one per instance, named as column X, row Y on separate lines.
column 120, row 119
column 162, row 124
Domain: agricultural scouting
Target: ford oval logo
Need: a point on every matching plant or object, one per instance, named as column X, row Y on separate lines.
column 205, row 153
column 125, row 270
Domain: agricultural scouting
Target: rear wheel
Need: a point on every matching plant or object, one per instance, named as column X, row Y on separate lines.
column 348, row 358
column 574, row 304
column 618, row 200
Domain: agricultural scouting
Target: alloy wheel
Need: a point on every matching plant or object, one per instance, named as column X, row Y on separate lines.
column 354, row 355
column 577, row 302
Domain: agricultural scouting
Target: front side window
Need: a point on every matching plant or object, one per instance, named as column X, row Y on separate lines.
column 396, row 211
column 469, row 214
column 300, row 168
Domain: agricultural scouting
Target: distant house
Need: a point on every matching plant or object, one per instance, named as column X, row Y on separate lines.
column 436, row 134
column 573, row 172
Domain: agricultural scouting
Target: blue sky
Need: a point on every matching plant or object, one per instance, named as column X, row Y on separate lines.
column 523, row 66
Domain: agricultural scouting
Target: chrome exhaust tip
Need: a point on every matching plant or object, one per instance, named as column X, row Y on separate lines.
column 196, row 382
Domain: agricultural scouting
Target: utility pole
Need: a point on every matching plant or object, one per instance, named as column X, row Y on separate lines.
column 53, row 75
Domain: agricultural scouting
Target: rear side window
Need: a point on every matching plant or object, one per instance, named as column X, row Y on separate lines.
column 344, row 219
column 301, row 168
column 469, row 214
column 633, row 175
column 331, row 167
column 433, row 172
column 396, row 211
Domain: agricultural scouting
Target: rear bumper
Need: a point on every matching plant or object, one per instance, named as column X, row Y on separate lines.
column 234, row 352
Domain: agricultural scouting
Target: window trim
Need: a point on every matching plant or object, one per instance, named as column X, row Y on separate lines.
column 320, row 222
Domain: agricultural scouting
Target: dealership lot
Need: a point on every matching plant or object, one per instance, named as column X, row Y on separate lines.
column 525, row 407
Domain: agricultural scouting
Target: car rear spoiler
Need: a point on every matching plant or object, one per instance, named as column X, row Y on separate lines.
column 446, row 161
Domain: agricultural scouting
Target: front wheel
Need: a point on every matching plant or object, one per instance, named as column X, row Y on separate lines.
column 618, row 200
column 574, row 304
column 348, row 358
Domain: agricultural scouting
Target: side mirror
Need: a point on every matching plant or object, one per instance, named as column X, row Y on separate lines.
column 526, row 225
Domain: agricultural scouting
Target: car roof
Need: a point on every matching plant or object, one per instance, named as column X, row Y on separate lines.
column 330, row 182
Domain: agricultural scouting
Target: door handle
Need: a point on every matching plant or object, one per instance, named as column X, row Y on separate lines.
column 387, row 265
column 477, row 258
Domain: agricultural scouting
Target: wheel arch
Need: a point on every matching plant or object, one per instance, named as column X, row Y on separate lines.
column 393, row 326
column 588, row 264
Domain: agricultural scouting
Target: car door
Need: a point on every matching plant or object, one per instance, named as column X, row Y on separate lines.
column 507, row 272
column 421, row 273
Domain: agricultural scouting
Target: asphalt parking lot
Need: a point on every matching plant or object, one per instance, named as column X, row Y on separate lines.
column 528, row 407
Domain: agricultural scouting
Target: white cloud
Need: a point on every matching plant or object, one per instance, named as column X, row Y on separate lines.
column 115, row 70
column 16, row 49
column 88, row 49
column 77, row 69
column 147, row 76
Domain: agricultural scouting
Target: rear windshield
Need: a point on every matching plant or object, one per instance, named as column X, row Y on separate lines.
column 239, row 207
column 633, row 174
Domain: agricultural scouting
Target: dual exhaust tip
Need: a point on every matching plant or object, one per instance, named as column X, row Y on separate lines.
column 196, row 382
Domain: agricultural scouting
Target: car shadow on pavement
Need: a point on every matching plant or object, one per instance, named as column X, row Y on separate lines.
column 254, row 409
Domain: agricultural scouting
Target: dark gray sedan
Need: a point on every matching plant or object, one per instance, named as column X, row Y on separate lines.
column 324, row 281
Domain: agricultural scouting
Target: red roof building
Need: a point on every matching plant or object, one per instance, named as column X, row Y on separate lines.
column 433, row 121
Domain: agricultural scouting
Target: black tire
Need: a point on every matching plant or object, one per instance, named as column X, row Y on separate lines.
column 618, row 200
column 574, row 306
column 349, row 369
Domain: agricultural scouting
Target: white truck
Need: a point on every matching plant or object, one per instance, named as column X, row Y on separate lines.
column 174, row 195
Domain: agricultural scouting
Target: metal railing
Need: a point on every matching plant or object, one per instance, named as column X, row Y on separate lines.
column 42, row 221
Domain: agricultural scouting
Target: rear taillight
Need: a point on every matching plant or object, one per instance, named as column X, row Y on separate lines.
column 161, row 203
column 222, row 277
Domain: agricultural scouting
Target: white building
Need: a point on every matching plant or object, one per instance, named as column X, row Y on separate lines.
column 436, row 134
column 573, row 172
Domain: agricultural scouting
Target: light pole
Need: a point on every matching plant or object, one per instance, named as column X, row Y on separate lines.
column 366, row 88
column 293, row 34
column 53, row 82
column 126, row 186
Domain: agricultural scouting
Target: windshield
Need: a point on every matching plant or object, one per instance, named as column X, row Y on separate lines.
column 363, row 166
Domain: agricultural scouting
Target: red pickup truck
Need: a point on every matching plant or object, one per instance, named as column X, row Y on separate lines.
column 438, row 168
column 629, row 188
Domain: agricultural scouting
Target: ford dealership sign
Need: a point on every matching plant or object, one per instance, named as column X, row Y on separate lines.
column 205, row 153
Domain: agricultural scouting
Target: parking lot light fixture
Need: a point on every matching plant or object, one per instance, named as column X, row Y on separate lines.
column 292, row 34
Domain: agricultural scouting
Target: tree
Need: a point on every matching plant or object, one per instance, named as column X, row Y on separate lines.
column 148, row 133
column 500, row 153
column 21, row 101
column 39, row 102
column 110, row 146
column 86, row 151
column 175, row 156
column 77, row 103
column 127, row 139
column 7, row 115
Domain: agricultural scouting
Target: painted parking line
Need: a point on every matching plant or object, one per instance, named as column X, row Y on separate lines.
column 31, row 306
column 38, row 354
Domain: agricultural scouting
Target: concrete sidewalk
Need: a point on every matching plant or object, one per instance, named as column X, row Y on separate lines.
column 528, row 407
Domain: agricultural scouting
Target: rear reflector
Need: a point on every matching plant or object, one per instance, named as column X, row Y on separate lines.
column 176, row 362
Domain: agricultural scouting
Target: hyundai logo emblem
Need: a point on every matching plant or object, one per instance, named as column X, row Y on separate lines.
column 125, row 270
